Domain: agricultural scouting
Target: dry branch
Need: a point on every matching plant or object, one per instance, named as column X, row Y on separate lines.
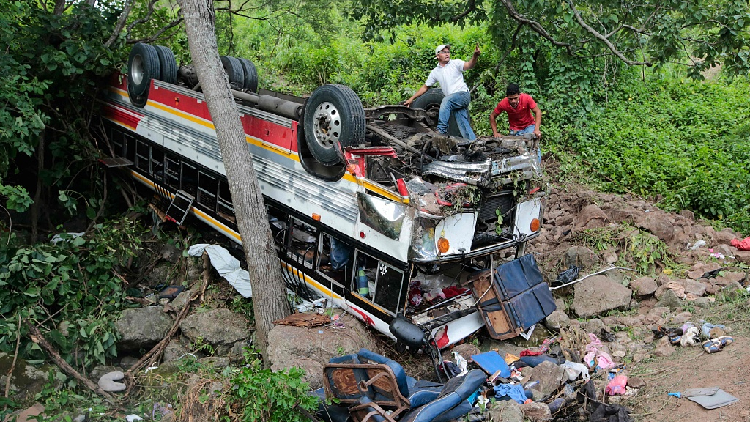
column 36, row 337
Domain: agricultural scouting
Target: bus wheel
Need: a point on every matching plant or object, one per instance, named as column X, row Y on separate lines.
column 233, row 67
column 143, row 65
column 430, row 102
column 167, row 63
column 333, row 120
column 251, row 75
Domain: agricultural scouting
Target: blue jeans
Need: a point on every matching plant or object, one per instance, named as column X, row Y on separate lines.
column 527, row 129
column 458, row 104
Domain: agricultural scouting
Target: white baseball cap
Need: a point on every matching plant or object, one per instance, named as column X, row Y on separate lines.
column 441, row 47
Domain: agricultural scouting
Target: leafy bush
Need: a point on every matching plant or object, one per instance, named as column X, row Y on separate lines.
column 264, row 395
column 69, row 288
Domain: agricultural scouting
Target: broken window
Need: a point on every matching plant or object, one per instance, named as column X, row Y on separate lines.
column 377, row 281
column 303, row 243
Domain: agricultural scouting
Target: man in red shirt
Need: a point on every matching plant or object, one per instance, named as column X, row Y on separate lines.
column 520, row 108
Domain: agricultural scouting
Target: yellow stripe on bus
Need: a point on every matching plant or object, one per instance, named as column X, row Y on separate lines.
column 270, row 147
column 326, row 291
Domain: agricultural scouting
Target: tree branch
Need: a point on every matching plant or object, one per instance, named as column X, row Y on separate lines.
column 37, row 338
column 120, row 23
column 535, row 26
column 602, row 38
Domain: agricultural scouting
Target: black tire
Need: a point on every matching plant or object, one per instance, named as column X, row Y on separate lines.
column 313, row 166
column 333, row 120
column 143, row 65
column 251, row 75
column 233, row 68
column 139, row 100
column 430, row 102
column 167, row 63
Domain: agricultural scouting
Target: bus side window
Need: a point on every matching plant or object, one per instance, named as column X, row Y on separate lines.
column 335, row 258
column 304, row 242
column 377, row 281
column 189, row 181
column 279, row 223
column 157, row 164
column 208, row 188
column 224, row 207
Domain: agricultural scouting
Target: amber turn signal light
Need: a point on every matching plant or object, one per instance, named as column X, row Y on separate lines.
column 535, row 224
column 443, row 245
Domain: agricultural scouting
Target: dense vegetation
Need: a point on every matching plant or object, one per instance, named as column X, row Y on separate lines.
column 656, row 131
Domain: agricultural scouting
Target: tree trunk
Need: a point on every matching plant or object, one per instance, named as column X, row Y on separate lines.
column 269, row 291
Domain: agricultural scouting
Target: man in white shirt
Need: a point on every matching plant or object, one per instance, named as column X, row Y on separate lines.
column 450, row 75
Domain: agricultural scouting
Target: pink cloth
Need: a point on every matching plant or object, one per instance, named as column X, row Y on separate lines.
column 616, row 385
column 596, row 358
column 743, row 245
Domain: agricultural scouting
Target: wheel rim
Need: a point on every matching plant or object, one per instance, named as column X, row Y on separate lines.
column 136, row 73
column 326, row 125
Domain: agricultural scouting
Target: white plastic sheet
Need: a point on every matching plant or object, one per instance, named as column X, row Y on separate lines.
column 227, row 266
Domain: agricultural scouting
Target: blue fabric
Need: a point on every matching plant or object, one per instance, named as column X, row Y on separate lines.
column 534, row 361
column 492, row 362
column 458, row 104
column 515, row 392
column 527, row 129
column 340, row 254
column 518, row 275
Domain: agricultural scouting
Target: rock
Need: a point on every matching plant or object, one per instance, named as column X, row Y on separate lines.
column 670, row 300
column 724, row 237
column 704, row 302
column 557, row 319
column 641, row 355
column 182, row 299
column 237, row 352
column 644, row 286
column 310, row 348
column 594, row 326
column 550, row 377
column 466, row 350
column 663, row 348
column 170, row 253
column 599, row 294
column 580, row 256
column 742, row 256
column 695, row 287
column 591, row 217
column 728, row 278
column 109, row 381
column 219, row 327
column 634, row 382
column 175, row 350
column 142, row 328
column 536, row 412
column 506, row 411
column 30, row 414
column 681, row 318
column 658, row 224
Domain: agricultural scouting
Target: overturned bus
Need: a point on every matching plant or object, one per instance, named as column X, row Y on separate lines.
column 370, row 208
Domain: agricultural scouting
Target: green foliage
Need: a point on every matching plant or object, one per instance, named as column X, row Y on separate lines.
column 682, row 141
column 270, row 396
column 69, row 287
column 49, row 72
